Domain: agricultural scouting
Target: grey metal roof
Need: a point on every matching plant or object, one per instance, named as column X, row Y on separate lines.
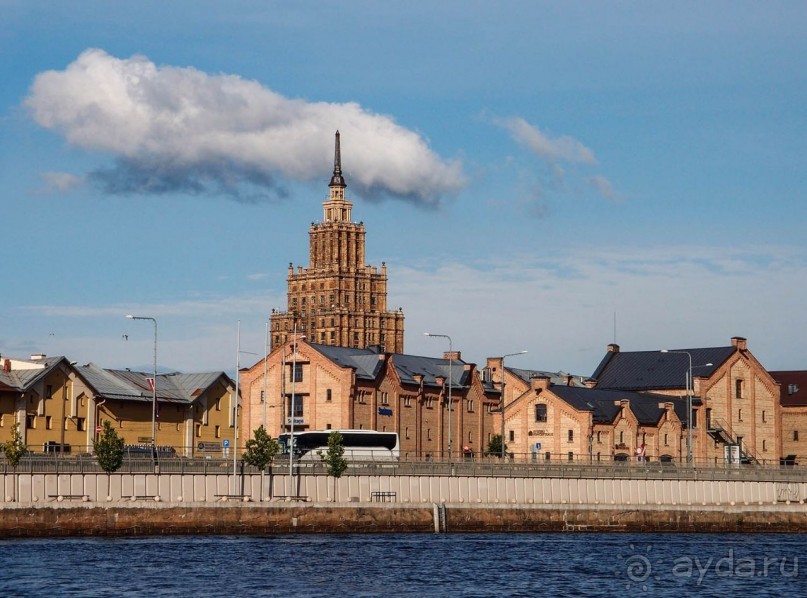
column 22, row 379
column 134, row 386
column 106, row 384
column 603, row 403
column 430, row 368
column 646, row 370
column 366, row 362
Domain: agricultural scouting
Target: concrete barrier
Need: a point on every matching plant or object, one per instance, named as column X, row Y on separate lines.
column 187, row 488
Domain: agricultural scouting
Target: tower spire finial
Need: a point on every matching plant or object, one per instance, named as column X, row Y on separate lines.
column 337, row 180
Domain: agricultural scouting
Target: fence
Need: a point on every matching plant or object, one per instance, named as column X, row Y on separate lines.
column 486, row 467
column 177, row 489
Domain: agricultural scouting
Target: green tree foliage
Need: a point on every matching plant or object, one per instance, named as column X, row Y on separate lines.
column 495, row 446
column 109, row 449
column 334, row 457
column 261, row 449
column 14, row 449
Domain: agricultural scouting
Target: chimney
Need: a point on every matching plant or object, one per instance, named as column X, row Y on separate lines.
column 739, row 342
column 37, row 356
column 7, row 365
column 590, row 383
column 539, row 383
column 613, row 348
column 453, row 355
column 567, row 379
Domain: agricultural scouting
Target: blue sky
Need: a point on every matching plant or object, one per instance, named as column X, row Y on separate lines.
column 546, row 176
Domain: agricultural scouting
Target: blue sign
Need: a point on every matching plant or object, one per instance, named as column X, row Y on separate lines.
column 225, row 444
column 384, row 411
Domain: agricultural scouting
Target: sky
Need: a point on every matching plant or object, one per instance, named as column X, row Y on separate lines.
column 541, row 176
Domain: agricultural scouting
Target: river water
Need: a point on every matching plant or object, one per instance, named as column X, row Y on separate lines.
column 562, row 564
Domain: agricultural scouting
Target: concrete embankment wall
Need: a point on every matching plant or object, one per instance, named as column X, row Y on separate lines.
column 192, row 488
column 132, row 519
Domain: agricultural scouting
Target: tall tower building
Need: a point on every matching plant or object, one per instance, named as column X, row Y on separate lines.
column 338, row 299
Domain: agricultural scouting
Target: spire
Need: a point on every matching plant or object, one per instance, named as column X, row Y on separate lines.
column 337, row 180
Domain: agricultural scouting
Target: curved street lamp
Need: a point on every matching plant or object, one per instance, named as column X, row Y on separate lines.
column 689, row 399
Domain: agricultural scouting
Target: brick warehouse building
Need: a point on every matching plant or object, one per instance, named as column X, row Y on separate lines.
column 347, row 388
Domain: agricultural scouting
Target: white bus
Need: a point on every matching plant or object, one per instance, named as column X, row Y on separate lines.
column 360, row 445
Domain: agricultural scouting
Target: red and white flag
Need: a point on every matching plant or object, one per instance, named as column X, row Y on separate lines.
column 151, row 384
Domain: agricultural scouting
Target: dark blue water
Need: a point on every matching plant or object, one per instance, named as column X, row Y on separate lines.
column 724, row 565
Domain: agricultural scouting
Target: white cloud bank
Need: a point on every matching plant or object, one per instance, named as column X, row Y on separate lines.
column 559, row 308
column 179, row 129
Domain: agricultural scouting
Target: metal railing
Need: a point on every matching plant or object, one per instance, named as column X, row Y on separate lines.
column 478, row 467
column 720, row 427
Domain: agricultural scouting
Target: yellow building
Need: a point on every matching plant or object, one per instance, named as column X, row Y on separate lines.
column 61, row 407
column 195, row 412
column 37, row 393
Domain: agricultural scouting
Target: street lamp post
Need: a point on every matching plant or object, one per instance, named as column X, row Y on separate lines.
column 689, row 399
column 153, row 390
column 450, row 367
column 501, row 404
column 265, row 365
column 292, row 443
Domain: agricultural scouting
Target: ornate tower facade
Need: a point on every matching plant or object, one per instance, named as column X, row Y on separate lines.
column 338, row 299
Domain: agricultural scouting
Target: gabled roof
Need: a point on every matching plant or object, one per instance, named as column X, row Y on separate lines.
column 604, row 403
column 431, row 368
column 134, row 386
column 366, row 362
column 793, row 387
column 554, row 377
column 646, row 370
column 21, row 379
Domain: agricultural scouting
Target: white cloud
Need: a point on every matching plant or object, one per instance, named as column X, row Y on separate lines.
column 604, row 187
column 564, row 148
column 59, row 181
column 179, row 129
column 556, row 153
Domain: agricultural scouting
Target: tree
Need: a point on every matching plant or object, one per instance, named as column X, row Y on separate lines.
column 334, row 458
column 495, row 446
column 109, row 449
column 261, row 450
column 14, row 450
